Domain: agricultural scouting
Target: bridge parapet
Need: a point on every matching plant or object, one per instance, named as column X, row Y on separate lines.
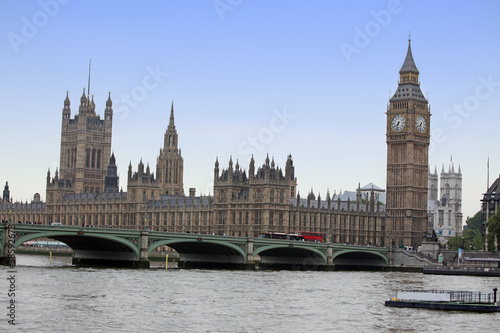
column 105, row 245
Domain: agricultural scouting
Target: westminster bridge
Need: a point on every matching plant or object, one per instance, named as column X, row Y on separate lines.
column 131, row 248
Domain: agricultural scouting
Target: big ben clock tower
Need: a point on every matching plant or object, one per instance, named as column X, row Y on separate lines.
column 408, row 137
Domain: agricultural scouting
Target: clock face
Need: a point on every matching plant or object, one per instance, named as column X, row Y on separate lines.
column 421, row 124
column 398, row 123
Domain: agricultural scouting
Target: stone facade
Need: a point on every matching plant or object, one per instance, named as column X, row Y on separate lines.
column 491, row 201
column 265, row 200
column 408, row 137
column 446, row 210
column 84, row 191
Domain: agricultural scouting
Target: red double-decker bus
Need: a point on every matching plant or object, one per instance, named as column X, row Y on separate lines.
column 312, row 236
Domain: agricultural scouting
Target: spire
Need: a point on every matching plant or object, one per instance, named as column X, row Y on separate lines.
column 171, row 121
column 408, row 85
column 83, row 99
column 109, row 103
column 409, row 64
column 170, row 140
column 66, row 101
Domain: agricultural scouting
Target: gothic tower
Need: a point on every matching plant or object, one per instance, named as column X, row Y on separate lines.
column 170, row 164
column 433, row 182
column 451, row 186
column 408, row 137
column 6, row 193
column 85, row 146
column 112, row 179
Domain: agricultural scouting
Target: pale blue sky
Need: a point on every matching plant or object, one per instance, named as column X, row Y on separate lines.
column 251, row 76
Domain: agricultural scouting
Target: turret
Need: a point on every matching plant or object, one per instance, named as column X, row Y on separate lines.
column 6, row 193
column 216, row 169
column 251, row 169
column 66, row 108
column 111, row 180
column 108, row 111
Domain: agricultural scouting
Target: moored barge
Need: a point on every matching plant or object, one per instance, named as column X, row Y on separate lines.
column 446, row 300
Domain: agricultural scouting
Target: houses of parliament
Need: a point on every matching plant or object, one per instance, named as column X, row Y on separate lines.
column 84, row 190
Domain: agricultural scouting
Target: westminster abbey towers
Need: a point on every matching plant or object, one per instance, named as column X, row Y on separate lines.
column 408, row 138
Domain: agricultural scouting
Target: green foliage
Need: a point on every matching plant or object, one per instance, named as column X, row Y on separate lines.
column 476, row 222
column 473, row 240
column 490, row 240
column 478, row 242
column 455, row 243
column 470, row 240
column 493, row 226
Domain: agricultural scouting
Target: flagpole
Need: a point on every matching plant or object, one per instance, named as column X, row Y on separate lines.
column 488, row 175
column 88, row 90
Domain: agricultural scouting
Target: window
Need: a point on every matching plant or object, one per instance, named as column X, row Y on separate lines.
column 87, row 159
column 98, row 166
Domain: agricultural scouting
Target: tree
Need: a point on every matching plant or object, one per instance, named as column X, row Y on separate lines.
column 493, row 229
column 490, row 240
column 478, row 242
column 473, row 240
column 476, row 222
column 455, row 243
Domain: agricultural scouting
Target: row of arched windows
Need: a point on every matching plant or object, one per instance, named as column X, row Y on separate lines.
column 93, row 158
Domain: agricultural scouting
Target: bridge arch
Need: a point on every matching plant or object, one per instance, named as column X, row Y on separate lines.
column 291, row 254
column 204, row 250
column 358, row 257
column 102, row 246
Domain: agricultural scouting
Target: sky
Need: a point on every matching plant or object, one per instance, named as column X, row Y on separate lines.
column 306, row 78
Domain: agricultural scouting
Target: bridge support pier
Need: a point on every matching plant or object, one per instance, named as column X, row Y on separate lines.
column 8, row 257
column 250, row 264
column 143, row 254
column 329, row 258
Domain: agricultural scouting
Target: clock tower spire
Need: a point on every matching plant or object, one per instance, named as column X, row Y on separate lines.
column 408, row 138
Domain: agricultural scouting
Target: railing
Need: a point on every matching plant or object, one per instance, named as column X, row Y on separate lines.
column 461, row 296
column 462, row 269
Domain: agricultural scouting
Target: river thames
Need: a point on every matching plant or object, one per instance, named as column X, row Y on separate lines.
column 56, row 297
